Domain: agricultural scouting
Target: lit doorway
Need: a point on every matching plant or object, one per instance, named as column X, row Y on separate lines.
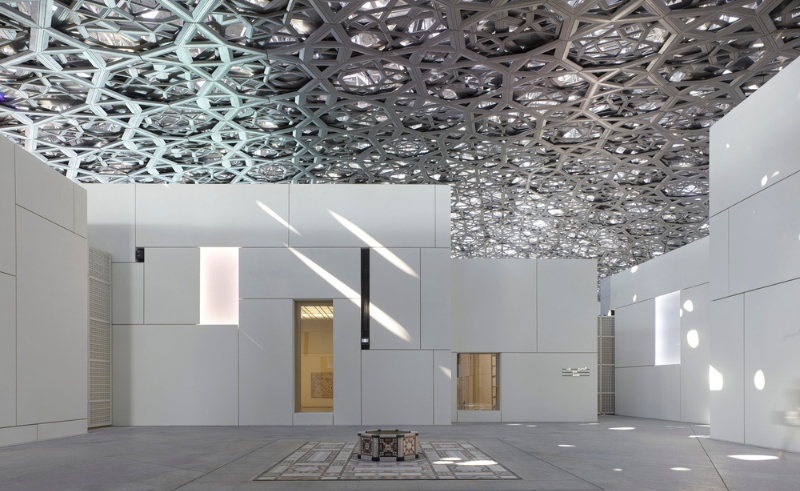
column 314, row 357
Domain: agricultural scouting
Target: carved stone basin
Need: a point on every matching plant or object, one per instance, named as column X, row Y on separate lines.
column 387, row 445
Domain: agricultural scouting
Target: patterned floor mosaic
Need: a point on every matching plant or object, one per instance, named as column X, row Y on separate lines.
column 337, row 461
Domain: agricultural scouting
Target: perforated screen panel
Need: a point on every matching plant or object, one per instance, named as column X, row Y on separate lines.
column 99, row 338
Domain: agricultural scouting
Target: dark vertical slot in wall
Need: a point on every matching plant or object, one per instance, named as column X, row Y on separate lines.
column 365, row 298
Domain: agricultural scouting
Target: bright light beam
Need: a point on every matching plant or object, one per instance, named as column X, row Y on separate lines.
column 269, row 211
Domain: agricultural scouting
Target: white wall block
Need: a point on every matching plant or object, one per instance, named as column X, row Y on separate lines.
column 763, row 249
column 668, row 329
column 172, row 286
column 61, row 429
column 727, row 363
column 211, row 216
column 443, row 216
column 346, row 362
column 649, row 392
column 42, row 190
column 718, row 256
column 635, row 340
column 566, row 305
column 436, row 304
column 300, row 273
column 494, row 305
column 532, row 387
column 81, row 211
column 454, row 387
column 18, row 434
column 756, row 144
column 127, row 293
column 52, row 299
column 394, row 298
column 312, row 419
column 266, row 362
column 442, row 387
column 397, row 387
column 175, row 375
column 112, row 218
column 8, row 212
column 347, row 216
column 480, row 416
column 8, row 351
column 695, row 354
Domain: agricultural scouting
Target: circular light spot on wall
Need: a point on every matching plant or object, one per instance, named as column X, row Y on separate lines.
column 688, row 305
column 715, row 379
column 623, row 428
column 759, row 380
column 764, row 181
column 683, row 469
column 634, row 298
column 754, row 457
column 727, row 145
column 635, row 269
column 693, row 338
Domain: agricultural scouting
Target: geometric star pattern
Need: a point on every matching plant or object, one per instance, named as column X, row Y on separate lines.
column 567, row 129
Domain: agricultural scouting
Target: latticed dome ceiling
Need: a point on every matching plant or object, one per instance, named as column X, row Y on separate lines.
column 567, row 128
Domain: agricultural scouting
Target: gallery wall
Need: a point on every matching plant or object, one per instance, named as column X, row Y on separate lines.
column 43, row 301
column 662, row 336
column 755, row 267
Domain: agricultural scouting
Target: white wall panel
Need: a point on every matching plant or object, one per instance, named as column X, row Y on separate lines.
column 649, row 392
column 772, row 344
column 718, row 255
column 566, row 305
column 43, row 190
column 756, row 144
column 763, row 249
column 436, row 302
column 454, row 387
column 443, row 216
column 695, row 320
column 442, row 387
column 347, row 216
column 61, row 429
column 266, row 362
column 211, row 216
column 8, row 350
column 18, row 434
column 112, row 218
column 635, row 339
column 81, row 211
column 480, row 416
column 533, row 389
column 52, row 299
column 494, row 304
column 172, row 286
column 394, row 298
column 727, row 358
column 397, row 387
column 175, row 375
column 312, row 419
column 346, row 362
column 127, row 293
column 8, row 212
column 300, row 273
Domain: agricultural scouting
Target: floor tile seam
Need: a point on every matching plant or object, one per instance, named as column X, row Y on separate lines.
column 700, row 442
column 225, row 464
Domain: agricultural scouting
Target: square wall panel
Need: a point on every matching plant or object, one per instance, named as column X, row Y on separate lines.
column 397, row 387
column 442, row 388
column 127, row 293
column 718, row 255
column 394, row 298
column 42, row 190
column 695, row 354
column 635, row 334
column 8, row 350
column 8, row 233
column 726, row 369
column 649, row 392
column 81, row 211
column 112, row 219
column 436, row 299
column 566, row 305
column 172, row 286
column 52, row 319
column 358, row 215
column 346, row 362
column 443, row 216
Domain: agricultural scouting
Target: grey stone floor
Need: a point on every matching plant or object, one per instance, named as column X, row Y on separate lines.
column 548, row 456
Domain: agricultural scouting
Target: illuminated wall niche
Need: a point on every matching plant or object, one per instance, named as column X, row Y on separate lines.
column 668, row 329
column 477, row 381
column 314, row 357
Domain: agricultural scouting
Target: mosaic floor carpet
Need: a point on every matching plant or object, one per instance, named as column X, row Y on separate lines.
column 337, row 461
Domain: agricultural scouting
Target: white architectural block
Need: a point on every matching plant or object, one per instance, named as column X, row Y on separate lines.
column 219, row 285
column 695, row 354
column 18, row 434
column 312, row 419
column 436, row 303
column 532, row 387
column 175, row 375
column 649, row 392
column 61, row 429
column 718, row 256
column 8, row 351
column 8, row 258
column 346, row 216
column 480, row 416
column 494, row 305
column 52, row 299
column 172, row 286
column 635, row 339
column 443, row 216
column 266, row 362
column 727, row 366
column 211, row 216
column 300, row 273
column 394, row 298
column 42, row 190
column 397, row 387
column 127, row 293
column 566, row 305
column 81, row 211
column 346, row 362
column 762, row 248
column 112, row 219
column 756, row 144
column 454, row 387
column 442, row 387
